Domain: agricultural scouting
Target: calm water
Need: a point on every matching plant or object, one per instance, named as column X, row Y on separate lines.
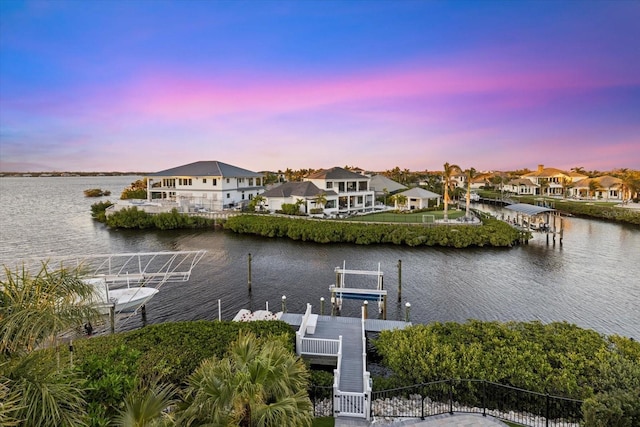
column 593, row 280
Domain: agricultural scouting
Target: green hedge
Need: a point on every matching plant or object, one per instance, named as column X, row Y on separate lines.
column 492, row 233
column 112, row 365
column 559, row 358
column 171, row 351
column 135, row 218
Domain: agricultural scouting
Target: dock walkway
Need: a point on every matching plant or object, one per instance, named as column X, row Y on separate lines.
column 350, row 328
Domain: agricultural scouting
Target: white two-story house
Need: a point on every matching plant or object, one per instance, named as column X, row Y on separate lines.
column 344, row 192
column 205, row 186
column 353, row 189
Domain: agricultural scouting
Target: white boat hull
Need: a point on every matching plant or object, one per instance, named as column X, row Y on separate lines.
column 125, row 299
column 129, row 299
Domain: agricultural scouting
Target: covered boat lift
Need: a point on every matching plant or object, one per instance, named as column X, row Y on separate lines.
column 537, row 218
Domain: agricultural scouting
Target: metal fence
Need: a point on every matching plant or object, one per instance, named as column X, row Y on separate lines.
column 464, row 396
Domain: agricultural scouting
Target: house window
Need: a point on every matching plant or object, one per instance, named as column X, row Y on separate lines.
column 250, row 182
column 341, row 187
column 243, row 195
column 228, row 195
column 215, row 182
column 329, row 185
column 204, row 180
column 240, row 180
column 258, row 182
column 227, row 180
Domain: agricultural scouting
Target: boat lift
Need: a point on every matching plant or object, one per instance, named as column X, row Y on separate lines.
column 126, row 273
column 340, row 291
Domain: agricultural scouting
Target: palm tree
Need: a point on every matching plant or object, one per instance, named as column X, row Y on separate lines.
column 145, row 407
column 259, row 383
column 399, row 200
column 630, row 184
column 9, row 404
column 544, row 185
column 448, row 184
column 470, row 173
column 36, row 308
column 566, row 184
column 321, row 199
column 593, row 187
column 47, row 396
column 257, row 202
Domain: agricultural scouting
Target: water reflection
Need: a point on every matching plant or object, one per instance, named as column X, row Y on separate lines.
column 581, row 281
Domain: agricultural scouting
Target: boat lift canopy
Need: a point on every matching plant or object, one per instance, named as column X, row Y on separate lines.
column 150, row 268
column 527, row 209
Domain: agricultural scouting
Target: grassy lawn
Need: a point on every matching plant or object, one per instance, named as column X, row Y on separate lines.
column 323, row 422
column 406, row 217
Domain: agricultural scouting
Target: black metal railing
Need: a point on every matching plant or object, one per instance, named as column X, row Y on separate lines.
column 477, row 396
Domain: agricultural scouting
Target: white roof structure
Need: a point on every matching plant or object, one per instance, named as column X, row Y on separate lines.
column 527, row 209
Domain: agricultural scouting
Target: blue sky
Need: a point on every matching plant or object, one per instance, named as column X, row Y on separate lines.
column 146, row 85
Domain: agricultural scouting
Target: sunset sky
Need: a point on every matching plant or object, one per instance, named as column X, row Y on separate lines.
column 146, row 85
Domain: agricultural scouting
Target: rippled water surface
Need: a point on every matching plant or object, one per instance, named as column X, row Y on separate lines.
column 592, row 280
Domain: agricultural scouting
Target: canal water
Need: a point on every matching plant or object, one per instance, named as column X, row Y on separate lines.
column 592, row 280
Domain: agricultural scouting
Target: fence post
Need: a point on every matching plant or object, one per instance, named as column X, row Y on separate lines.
column 451, row 396
column 423, row 398
column 547, row 411
column 484, row 398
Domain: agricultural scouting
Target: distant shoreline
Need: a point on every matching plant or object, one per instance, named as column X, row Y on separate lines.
column 66, row 174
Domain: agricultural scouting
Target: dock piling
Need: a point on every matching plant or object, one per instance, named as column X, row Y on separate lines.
column 399, row 280
column 249, row 280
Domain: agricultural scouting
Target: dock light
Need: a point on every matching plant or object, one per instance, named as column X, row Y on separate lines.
column 284, row 303
column 322, row 306
column 365, row 309
column 407, row 311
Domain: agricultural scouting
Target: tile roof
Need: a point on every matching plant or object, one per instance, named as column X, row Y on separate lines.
column 208, row 168
column 606, row 181
column 545, row 172
column 380, row 182
column 336, row 173
column 300, row 189
column 522, row 181
column 420, row 193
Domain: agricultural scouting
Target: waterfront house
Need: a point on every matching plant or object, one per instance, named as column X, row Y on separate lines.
column 552, row 181
column 521, row 186
column 600, row 188
column 205, row 186
column 306, row 193
column 353, row 190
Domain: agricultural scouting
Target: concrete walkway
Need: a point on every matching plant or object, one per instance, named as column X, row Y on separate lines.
column 445, row 420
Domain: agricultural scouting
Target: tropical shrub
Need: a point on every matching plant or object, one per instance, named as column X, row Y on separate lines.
column 107, row 380
column 258, row 383
column 492, row 233
column 96, row 192
column 98, row 210
column 170, row 352
column 135, row 218
column 137, row 190
column 291, row 209
column 557, row 358
column 130, row 218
